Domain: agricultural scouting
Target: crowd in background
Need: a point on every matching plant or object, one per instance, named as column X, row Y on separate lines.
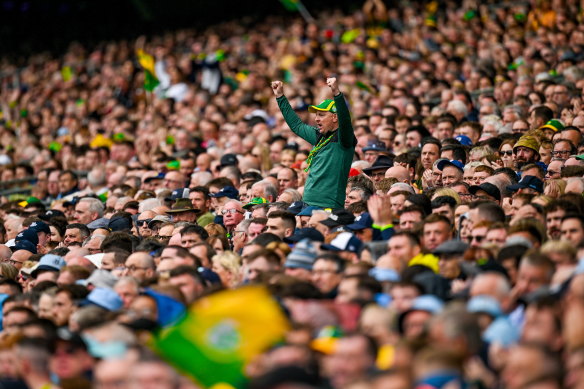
column 454, row 263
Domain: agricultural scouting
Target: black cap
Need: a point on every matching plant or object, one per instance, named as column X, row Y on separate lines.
column 339, row 217
column 305, row 233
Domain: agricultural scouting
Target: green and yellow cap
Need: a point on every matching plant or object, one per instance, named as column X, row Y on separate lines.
column 554, row 125
column 255, row 201
column 326, row 106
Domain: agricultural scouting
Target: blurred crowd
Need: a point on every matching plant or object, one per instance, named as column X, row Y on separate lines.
column 455, row 263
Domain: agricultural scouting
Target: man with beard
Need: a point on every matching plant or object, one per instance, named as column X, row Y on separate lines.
column 525, row 151
column 554, row 212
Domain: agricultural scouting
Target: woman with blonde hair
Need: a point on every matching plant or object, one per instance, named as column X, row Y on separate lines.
column 280, row 248
column 8, row 271
column 554, row 188
column 447, row 192
column 227, row 265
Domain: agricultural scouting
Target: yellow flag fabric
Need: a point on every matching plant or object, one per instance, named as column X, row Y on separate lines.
column 222, row 333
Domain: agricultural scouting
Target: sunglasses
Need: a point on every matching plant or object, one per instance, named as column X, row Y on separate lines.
column 141, row 222
column 232, row 211
column 508, row 152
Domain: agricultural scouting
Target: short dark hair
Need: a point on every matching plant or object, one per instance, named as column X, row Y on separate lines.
column 288, row 218
column 119, row 240
column 201, row 189
column 413, row 238
column 13, row 285
column 188, row 270
column 81, row 227
column 559, row 204
column 436, row 218
column 443, row 200
column 578, row 216
column 195, row 229
column 458, row 152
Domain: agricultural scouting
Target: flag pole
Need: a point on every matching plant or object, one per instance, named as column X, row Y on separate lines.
column 304, row 12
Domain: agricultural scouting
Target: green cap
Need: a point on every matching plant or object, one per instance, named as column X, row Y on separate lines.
column 255, row 201
column 325, row 106
column 553, row 124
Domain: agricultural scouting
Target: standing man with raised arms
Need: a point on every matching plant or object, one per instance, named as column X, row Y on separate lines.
column 333, row 144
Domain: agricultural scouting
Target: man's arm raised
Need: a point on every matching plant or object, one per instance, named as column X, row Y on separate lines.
column 301, row 129
column 346, row 134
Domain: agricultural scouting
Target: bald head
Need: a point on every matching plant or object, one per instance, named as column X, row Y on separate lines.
column 5, row 252
column 398, row 172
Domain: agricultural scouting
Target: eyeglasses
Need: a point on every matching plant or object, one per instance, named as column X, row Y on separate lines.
column 378, row 174
column 12, row 261
column 561, row 152
column 163, row 237
column 324, row 271
column 134, row 268
column 552, row 173
column 478, row 238
column 232, row 211
column 141, row 222
column 508, row 152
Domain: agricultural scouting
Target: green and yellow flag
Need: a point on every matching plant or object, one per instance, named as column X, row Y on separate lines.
column 221, row 334
column 290, row 5
column 147, row 63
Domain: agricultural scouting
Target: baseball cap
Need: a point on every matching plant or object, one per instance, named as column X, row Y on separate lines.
column 102, row 222
column 228, row 160
column 119, row 223
column 463, row 140
column 307, row 211
column 361, row 222
column 48, row 214
column 305, row 233
column 487, row 187
column 100, row 278
column 28, row 235
column 181, row 193
column 105, row 298
column 338, row 217
column 296, row 207
column 345, row 241
column 425, row 303
column 484, row 304
column 49, row 262
column 159, row 176
column 39, row 226
column 451, row 247
column 445, row 162
column 24, row 245
column 325, row 106
column 375, row 146
column 255, row 201
column 531, row 182
column 228, row 191
column 554, row 124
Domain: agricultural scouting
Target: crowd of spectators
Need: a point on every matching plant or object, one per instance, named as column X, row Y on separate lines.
column 454, row 263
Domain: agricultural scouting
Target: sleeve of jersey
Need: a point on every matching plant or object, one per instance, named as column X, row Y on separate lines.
column 346, row 133
column 306, row 132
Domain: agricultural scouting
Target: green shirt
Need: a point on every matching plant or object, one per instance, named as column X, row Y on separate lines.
column 327, row 179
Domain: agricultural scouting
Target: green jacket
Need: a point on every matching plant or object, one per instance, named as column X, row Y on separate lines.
column 327, row 179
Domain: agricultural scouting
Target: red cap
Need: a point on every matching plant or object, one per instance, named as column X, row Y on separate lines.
column 354, row 172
